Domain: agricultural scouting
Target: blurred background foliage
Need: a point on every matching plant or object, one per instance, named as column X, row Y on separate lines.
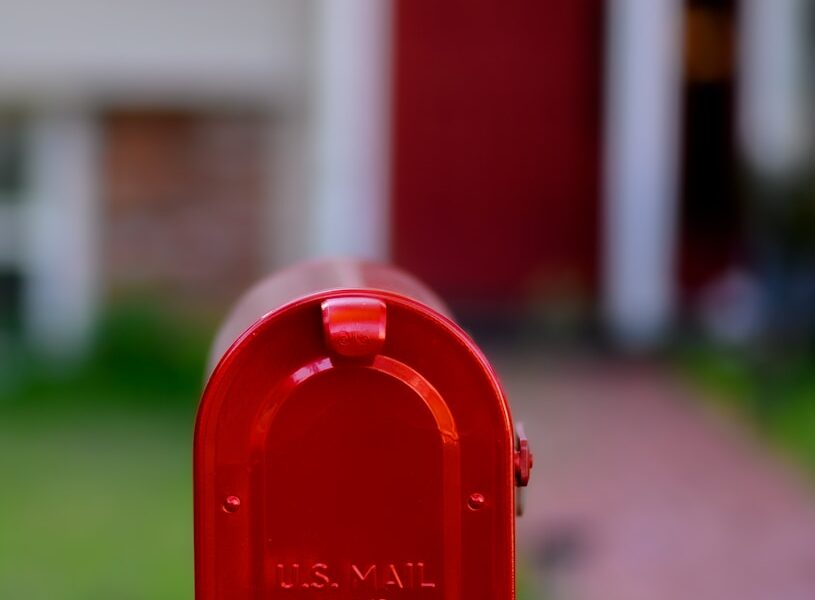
column 772, row 394
column 143, row 355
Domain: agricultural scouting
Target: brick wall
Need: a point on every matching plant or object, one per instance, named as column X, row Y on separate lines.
column 183, row 208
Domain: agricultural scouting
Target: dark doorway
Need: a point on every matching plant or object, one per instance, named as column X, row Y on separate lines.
column 711, row 214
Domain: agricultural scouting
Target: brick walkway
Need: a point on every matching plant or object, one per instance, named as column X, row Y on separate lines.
column 638, row 493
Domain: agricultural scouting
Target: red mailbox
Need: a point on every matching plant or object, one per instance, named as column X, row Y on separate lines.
column 353, row 443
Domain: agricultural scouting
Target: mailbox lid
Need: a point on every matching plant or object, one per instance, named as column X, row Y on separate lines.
column 319, row 471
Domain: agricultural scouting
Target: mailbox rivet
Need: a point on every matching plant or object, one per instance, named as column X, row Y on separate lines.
column 477, row 501
column 231, row 504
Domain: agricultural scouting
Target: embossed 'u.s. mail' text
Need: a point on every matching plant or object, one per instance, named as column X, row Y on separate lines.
column 362, row 576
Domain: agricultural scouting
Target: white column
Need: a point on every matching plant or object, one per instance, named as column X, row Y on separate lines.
column 775, row 110
column 643, row 79
column 349, row 214
column 288, row 214
column 62, row 255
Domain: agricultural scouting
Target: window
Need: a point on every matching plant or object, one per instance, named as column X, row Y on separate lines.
column 10, row 301
column 12, row 155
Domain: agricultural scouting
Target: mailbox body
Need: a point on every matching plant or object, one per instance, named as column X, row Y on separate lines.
column 352, row 443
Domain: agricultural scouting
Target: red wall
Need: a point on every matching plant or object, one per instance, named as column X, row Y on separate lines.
column 496, row 133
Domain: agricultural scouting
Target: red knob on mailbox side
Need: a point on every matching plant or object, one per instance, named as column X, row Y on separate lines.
column 353, row 443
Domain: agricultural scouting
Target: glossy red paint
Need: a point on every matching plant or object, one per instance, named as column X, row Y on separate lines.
column 352, row 443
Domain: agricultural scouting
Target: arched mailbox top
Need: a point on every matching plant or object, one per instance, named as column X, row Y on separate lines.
column 354, row 442
column 425, row 335
column 290, row 346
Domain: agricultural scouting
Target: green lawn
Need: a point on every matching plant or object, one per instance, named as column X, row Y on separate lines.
column 95, row 505
column 95, row 464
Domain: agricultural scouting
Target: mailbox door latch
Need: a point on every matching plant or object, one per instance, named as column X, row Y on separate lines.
column 354, row 326
column 523, row 466
column 523, row 457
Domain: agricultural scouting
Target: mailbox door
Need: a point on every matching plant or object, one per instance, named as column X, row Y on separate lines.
column 324, row 474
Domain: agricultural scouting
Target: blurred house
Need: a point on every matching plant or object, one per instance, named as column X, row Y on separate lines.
column 136, row 151
column 515, row 155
